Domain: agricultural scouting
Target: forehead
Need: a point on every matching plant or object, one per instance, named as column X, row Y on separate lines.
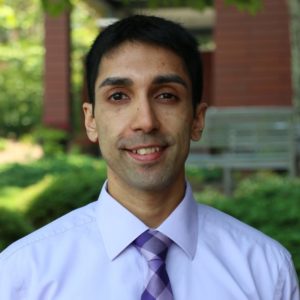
column 136, row 44
column 149, row 56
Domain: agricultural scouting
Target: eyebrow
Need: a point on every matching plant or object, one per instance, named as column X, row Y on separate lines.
column 116, row 81
column 161, row 79
column 170, row 78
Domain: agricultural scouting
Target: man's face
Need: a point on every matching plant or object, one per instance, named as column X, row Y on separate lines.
column 143, row 116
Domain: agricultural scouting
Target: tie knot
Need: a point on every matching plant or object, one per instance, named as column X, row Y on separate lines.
column 153, row 245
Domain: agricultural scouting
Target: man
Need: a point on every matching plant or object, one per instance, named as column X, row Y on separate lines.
column 144, row 82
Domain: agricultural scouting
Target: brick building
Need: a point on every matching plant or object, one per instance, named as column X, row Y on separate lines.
column 57, row 84
column 252, row 58
column 250, row 65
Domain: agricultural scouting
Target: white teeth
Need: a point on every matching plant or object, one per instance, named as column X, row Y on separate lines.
column 145, row 151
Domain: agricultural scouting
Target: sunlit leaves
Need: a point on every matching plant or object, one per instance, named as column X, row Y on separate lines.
column 55, row 7
column 7, row 17
column 252, row 6
column 21, row 62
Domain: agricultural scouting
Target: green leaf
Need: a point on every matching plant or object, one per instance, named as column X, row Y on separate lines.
column 251, row 6
column 56, row 7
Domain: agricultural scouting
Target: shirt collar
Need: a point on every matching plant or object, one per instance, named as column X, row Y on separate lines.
column 119, row 227
column 182, row 224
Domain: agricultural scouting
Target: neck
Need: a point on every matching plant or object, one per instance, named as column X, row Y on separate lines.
column 151, row 207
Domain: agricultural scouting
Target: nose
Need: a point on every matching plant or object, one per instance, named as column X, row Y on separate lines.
column 145, row 117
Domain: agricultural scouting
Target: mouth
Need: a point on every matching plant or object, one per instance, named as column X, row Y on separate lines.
column 148, row 154
column 146, row 150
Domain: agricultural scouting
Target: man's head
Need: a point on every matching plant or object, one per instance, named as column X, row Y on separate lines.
column 149, row 30
column 142, row 78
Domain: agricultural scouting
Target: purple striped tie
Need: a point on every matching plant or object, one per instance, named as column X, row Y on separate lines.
column 153, row 245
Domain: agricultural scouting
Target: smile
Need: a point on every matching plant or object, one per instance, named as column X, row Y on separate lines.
column 146, row 151
column 147, row 154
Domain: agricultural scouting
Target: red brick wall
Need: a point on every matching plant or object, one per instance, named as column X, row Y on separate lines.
column 57, row 72
column 252, row 57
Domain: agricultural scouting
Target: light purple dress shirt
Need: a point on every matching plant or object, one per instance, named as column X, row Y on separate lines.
column 87, row 254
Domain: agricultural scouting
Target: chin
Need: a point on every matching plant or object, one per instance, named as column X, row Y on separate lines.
column 153, row 182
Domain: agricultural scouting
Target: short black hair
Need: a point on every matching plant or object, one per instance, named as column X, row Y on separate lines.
column 151, row 30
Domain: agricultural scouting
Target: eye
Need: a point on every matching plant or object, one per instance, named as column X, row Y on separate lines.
column 167, row 97
column 118, row 96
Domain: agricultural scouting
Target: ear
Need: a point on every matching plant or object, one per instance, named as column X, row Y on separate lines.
column 90, row 122
column 198, row 122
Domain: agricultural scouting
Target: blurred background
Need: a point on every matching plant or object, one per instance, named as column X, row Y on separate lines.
column 247, row 162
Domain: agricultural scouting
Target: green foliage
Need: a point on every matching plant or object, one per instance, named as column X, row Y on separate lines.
column 52, row 140
column 75, row 180
column 84, row 31
column 251, row 6
column 204, row 175
column 56, row 7
column 67, row 192
column 20, row 19
column 24, row 175
column 3, row 143
column 21, row 90
column 21, row 175
column 12, row 227
column 210, row 196
column 21, row 55
column 198, row 4
column 270, row 196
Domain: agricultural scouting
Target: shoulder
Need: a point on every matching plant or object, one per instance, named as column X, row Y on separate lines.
column 247, row 254
column 40, row 260
column 53, row 232
column 222, row 228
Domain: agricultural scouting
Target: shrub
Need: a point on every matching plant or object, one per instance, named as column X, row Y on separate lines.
column 21, row 88
column 75, row 181
column 204, row 175
column 210, row 196
column 53, row 141
column 67, row 192
column 23, row 175
column 12, row 227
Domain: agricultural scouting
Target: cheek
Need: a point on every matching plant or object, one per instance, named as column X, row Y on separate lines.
column 109, row 130
column 109, row 118
column 180, row 120
column 180, row 128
